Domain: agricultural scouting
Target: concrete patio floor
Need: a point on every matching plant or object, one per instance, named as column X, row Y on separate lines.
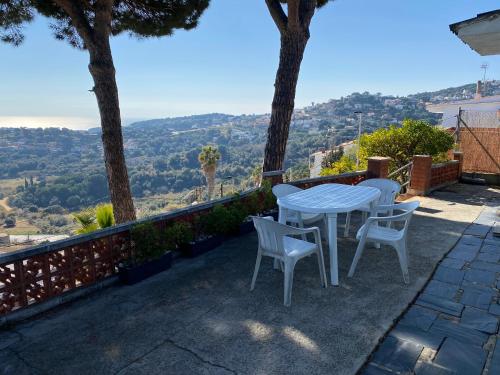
column 200, row 317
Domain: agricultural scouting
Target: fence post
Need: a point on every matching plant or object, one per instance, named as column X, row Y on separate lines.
column 378, row 167
column 420, row 181
column 457, row 155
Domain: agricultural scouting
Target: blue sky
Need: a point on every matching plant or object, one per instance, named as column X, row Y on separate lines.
column 228, row 63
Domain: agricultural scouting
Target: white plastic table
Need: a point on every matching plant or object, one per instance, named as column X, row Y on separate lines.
column 330, row 199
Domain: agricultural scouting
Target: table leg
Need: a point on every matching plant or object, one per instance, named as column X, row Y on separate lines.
column 282, row 220
column 332, row 245
column 373, row 213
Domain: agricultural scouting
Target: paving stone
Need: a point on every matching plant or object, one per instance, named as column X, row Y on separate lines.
column 419, row 317
column 490, row 248
column 498, row 284
column 479, row 230
column 397, row 355
column 480, row 276
column 479, row 319
column 480, row 265
column 440, row 289
column 469, row 284
column 440, row 304
column 488, row 257
column 447, row 328
column 449, row 275
column 466, row 253
column 470, row 240
column 462, row 358
column 453, row 263
column 476, row 297
column 374, row 370
column 495, row 360
column 417, row 336
column 423, row 368
column 494, row 309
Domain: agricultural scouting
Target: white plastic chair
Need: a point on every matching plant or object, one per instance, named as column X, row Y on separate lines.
column 274, row 241
column 300, row 219
column 388, row 188
column 371, row 232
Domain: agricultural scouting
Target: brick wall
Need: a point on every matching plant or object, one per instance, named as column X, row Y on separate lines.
column 444, row 173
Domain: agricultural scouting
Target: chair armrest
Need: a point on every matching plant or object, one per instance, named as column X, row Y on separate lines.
column 288, row 230
column 400, row 217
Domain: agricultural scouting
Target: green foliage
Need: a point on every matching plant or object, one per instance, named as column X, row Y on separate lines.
column 146, row 244
column 268, row 198
column 221, row 220
column 86, row 220
column 176, row 235
column 209, row 157
column 152, row 18
column 104, row 215
column 400, row 143
column 344, row 165
column 414, row 137
column 331, row 157
column 92, row 219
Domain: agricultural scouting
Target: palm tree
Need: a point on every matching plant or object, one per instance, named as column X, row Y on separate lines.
column 208, row 158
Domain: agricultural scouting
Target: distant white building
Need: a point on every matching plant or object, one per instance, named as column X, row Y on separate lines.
column 481, row 112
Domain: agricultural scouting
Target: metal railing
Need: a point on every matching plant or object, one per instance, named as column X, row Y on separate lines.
column 403, row 176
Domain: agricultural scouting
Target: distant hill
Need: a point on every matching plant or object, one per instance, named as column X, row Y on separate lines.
column 186, row 122
column 162, row 154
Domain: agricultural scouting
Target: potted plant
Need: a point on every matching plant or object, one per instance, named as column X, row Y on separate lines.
column 208, row 234
column 150, row 255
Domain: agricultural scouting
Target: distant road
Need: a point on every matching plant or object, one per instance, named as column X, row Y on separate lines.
column 5, row 205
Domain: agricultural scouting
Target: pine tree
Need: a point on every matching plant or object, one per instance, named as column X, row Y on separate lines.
column 89, row 24
column 294, row 34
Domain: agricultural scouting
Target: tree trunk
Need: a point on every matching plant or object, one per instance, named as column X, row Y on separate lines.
column 293, row 44
column 102, row 69
column 209, row 173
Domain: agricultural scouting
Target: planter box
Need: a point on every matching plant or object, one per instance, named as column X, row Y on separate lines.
column 197, row 248
column 246, row 227
column 133, row 275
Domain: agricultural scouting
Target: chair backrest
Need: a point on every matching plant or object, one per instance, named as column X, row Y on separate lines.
column 270, row 234
column 389, row 189
column 407, row 209
column 282, row 190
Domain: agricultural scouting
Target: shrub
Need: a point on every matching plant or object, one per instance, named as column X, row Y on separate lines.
column 104, row 215
column 54, row 209
column 176, row 235
column 145, row 243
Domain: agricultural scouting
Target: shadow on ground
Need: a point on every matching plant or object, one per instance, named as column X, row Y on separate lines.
column 201, row 318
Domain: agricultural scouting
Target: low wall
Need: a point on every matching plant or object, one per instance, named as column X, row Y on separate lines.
column 444, row 174
column 45, row 273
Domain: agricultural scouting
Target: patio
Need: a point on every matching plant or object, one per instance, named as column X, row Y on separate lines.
column 201, row 318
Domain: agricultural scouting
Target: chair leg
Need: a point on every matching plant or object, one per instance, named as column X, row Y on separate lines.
column 288, row 283
column 256, row 271
column 321, row 264
column 403, row 261
column 359, row 252
column 347, row 224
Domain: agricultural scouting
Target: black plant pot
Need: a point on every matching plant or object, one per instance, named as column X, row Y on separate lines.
column 134, row 274
column 246, row 227
column 196, row 248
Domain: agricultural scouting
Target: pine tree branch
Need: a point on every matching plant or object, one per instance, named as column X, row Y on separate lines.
column 278, row 14
column 307, row 9
column 78, row 18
